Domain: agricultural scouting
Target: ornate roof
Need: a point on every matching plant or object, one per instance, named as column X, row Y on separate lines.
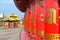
column 12, row 17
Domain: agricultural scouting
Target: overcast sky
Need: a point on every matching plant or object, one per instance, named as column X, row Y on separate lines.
column 7, row 7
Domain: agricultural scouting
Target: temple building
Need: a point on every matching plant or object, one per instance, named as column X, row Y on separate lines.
column 12, row 21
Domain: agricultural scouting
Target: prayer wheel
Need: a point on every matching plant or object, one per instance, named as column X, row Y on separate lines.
column 40, row 19
column 33, row 20
column 52, row 20
column 26, row 21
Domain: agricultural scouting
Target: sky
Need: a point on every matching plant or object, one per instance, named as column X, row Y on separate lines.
column 7, row 7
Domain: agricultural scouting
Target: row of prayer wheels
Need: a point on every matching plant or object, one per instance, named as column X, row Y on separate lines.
column 42, row 20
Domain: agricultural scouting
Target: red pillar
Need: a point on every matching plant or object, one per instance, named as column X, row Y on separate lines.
column 10, row 24
column 16, row 24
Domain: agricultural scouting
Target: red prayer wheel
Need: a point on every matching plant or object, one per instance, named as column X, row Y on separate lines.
column 26, row 21
column 33, row 20
column 52, row 20
column 40, row 19
column 29, row 21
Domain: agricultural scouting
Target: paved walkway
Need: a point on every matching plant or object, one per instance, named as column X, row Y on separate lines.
column 13, row 34
column 24, row 36
column 9, row 34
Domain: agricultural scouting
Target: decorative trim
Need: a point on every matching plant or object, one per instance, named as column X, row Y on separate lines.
column 52, row 36
column 40, row 32
column 33, row 31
